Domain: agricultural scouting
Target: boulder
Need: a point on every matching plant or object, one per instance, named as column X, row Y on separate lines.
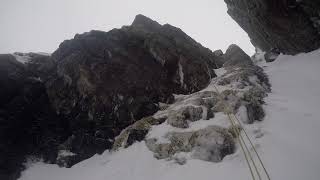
column 288, row 25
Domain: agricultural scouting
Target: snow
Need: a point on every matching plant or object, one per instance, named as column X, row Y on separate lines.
column 287, row 139
column 159, row 132
column 64, row 153
column 220, row 71
column 26, row 57
column 181, row 74
column 292, row 121
column 21, row 57
column 43, row 53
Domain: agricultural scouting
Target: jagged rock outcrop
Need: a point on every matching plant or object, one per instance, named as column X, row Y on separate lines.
column 106, row 81
column 289, row 26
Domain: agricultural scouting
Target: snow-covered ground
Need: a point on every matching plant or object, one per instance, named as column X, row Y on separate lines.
column 287, row 139
column 291, row 146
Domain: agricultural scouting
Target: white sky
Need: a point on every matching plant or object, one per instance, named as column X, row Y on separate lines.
column 41, row 25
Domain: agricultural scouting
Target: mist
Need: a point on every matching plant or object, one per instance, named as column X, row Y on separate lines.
column 41, row 25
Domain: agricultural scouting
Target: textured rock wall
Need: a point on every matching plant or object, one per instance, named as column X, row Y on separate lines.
column 287, row 25
column 105, row 81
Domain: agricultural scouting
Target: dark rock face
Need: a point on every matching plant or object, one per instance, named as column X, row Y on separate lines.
column 66, row 107
column 288, row 25
column 28, row 124
column 136, row 135
column 105, row 81
column 235, row 56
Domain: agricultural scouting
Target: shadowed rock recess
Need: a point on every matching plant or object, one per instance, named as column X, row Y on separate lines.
column 290, row 26
column 28, row 123
column 70, row 105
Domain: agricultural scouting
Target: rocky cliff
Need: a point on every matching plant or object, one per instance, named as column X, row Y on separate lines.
column 289, row 26
column 106, row 81
column 70, row 105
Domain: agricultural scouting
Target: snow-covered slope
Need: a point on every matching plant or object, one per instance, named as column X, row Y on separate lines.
column 291, row 145
column 287, row 139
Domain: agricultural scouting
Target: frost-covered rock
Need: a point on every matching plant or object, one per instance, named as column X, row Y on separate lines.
column 65, row 158
column 135, row 132
column 229, row 101
column 239, row 89
column 253, row 100
column 184, row 115
column 242, row 87
column 241, row 71
column 212, row 143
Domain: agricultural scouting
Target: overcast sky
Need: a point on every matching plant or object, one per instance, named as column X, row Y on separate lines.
column 41, row 25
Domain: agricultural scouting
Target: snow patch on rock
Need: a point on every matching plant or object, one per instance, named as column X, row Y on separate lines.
column 22, row 57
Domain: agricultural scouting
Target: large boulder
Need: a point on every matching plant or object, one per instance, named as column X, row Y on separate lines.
column 105, row 81
column 288, row 25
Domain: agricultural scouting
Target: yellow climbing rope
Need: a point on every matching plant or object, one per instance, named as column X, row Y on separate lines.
column 235, row 123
